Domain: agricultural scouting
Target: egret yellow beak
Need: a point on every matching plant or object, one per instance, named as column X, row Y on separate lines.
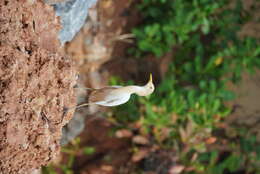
column 151, row 78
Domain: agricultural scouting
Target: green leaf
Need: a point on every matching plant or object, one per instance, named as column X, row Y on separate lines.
column 88, row 150
column 233, row 162
column 216, row 105
column 227, row 95
column 205, row 26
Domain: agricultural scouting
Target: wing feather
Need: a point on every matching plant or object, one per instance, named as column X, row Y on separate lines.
column 100, row 94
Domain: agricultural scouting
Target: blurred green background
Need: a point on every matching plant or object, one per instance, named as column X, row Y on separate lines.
column 186, row 114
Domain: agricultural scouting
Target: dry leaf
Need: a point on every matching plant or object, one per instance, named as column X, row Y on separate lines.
column 174, row 118
column 107, row 168
column 154, row 148
column 123, row 133
column 189, row 169
column 176, row 169
column 194, row 157
column 211, row 140
column 139, row 155
column 140, row 140
column 165, row 133
column 183, row 135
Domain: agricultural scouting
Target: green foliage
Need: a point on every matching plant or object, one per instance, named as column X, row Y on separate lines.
column 190, row 101
column 231, row 163
column 169, row 22
column 244, row 156
column 88, row 150
column 71, row 151
column 48, row 170
column 172, row 22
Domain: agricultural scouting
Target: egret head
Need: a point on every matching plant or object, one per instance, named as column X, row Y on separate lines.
column 147, row 89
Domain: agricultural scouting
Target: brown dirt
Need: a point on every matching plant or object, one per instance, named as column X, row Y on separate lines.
column 36, row 83
column 247, row 106
column 111, row 153
column 252, row 27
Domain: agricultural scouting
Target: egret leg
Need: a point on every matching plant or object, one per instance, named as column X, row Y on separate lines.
column 65, row 110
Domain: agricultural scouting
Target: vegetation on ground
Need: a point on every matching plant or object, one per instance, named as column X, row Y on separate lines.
column 189, row 103
column 185, row 114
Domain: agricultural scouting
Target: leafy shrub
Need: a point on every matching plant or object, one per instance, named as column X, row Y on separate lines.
column 71, row 151
column 190, row 100
column 171, row 22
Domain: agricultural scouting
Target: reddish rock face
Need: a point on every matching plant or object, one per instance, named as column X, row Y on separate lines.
column 54, row 1
column 36, row 84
